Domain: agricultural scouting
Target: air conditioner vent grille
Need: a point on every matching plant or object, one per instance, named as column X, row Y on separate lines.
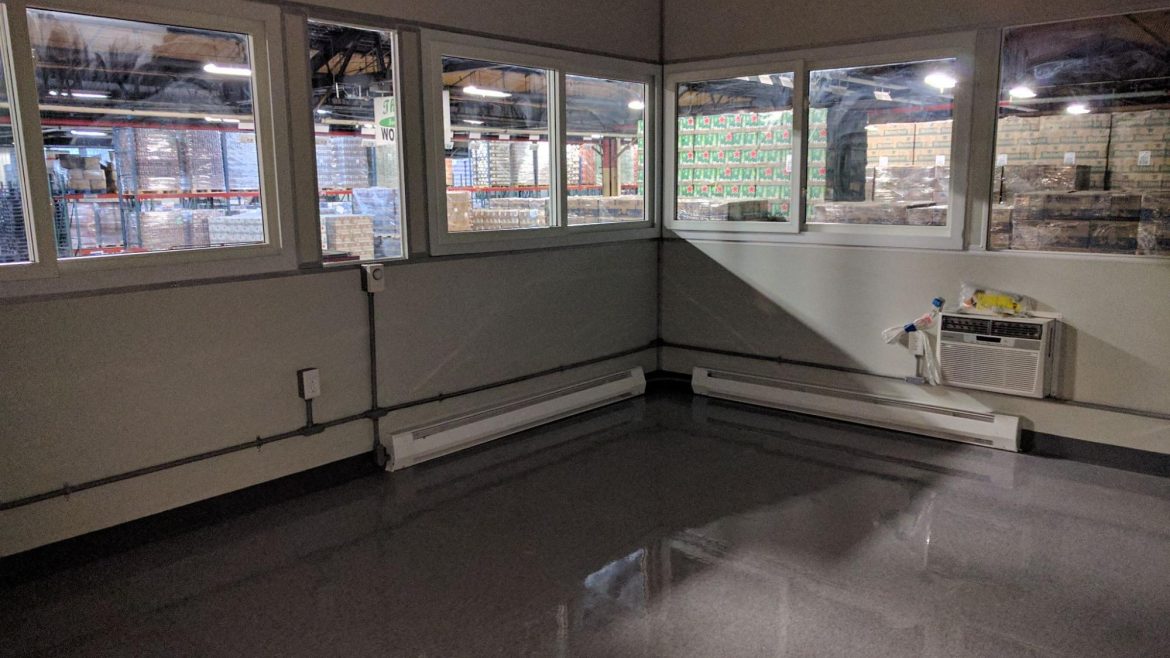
column 982, row 365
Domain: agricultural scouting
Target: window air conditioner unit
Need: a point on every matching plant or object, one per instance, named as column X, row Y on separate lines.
column 1016, row 356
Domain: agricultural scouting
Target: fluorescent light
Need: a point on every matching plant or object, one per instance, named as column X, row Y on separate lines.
column 474, row 122
column 883, row 95
column 88, row 133
column 766, row 79
column 219, row 69
column 636, row 105
column 219, row 120
column 786, row 81
column 78, row 94
column 1022, row 91
column 487, row 93
column 1077, row 108
column 324, row 111
column 595, row 136
column 941, row 81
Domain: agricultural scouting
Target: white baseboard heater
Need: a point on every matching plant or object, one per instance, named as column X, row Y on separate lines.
column 476, row 427
column 986, row 429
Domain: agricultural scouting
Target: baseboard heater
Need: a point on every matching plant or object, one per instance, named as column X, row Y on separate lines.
column 986, row 429
column 471, row 429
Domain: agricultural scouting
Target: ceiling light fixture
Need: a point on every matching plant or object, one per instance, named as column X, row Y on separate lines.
column 883, row 95
column 474, row 122
column 766, row 79
column 1021, row 91
column 88, row 133
column 486, row 93
column 595, row 136
column 786, row 81
column 1077, row 108
column 636, row 105
column 941, row 81
column 219, row 69
column 78, row 94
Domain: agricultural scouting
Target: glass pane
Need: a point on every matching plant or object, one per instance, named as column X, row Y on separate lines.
column 879, row 143
column 735, row 149
column 356, row 112
column 14, row 234
column 497, row 145
column 1081, row 160
column 605, row 153
column 149, row 135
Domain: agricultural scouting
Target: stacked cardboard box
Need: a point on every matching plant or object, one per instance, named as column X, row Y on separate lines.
column 1110, row 206
column 530, row 211
column 1139, row 157
column 174, row 228
column 927, row 216
column 202, row 160
column 458, row 211
column 13, row 243
column 584, row 209
column 858, row 212
column 239, row 228
column 1021, row 179
column 927, row 184
column 627, row 208
column 1000, row 233
column 351, row 234
column 148, row 159
column 82, row 174
column 243, row 169
column 1104, row 222
column 1154, row 226
column 926, row 143
column 723, row 210
column 95, row 225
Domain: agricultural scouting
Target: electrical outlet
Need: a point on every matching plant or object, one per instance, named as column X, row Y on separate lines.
column 373, row 277
column 309, row 383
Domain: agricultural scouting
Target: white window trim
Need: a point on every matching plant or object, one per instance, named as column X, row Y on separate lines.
column 960, row 46
column 435, row 45
column 308, row 196
column 262, row 24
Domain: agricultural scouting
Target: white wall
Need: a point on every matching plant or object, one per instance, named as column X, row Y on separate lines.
column 100, row 385
column 828, row 305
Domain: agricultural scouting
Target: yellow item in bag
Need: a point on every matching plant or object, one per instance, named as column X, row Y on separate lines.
column 987, row 301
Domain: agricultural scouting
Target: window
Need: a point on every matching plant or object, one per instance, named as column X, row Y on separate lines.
column 879, row 144
column 735, row 157
column 605, row 150
column 535, row 147
column 1081, row 161
column 847, row 145
column 358, row 155
column 497, row 164
column 14, row 233
column 149, row 135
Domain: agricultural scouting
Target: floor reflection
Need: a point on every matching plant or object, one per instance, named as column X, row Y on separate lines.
column 665, row 527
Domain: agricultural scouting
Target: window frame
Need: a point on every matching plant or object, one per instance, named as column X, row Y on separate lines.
column 961, row 46
column 262, row 24
column 308, row 199
column 985, row 126
column 559, row 63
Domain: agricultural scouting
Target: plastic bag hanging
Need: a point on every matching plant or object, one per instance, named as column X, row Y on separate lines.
column 921, row 326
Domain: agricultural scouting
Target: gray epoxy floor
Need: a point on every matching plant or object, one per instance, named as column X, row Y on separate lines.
column 663, row 527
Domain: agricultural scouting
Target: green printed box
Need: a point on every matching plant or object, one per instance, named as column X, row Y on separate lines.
column 684, row 174
column 735, row 156
column 686, row 157
column 818, row 115
column 750, row 156
column 722, row 121
column 705, row 122
column 703, row 157
column 685, row 141
column 816, row 192
column 718, row 157
column 749, row 138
